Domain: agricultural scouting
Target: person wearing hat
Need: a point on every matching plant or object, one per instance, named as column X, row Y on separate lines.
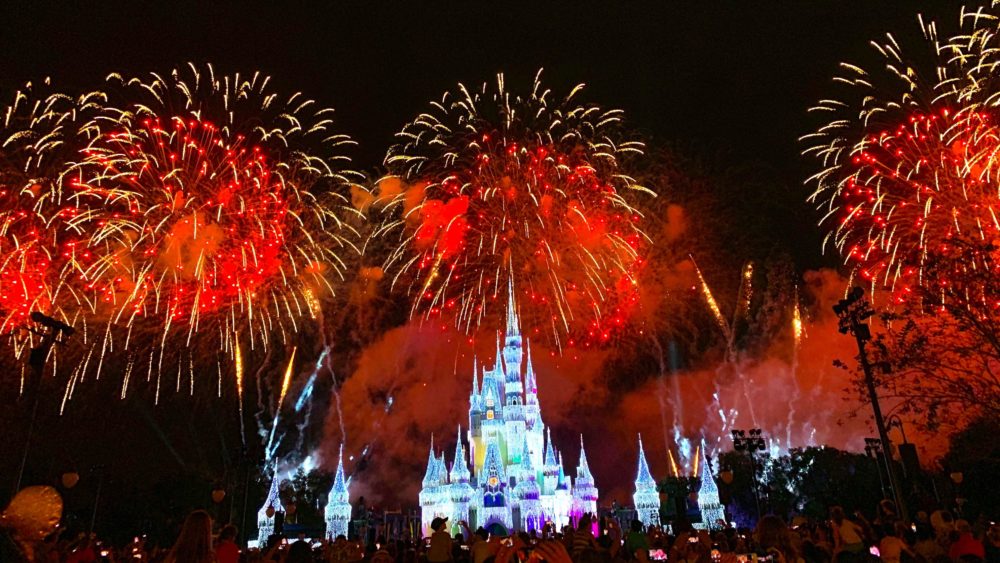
column 440, row 548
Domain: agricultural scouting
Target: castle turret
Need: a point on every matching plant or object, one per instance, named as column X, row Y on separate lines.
column 563, row 497
column 435, row 499
column 528, row 495
column 713, row 514
column 534, row 428
column 550, row 468
column 460, row 488
column 338, row 504
column 584, row 490
column 272, row 504
column 646, row 497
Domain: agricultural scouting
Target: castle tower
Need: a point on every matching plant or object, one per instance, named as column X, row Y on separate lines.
column 434, row 498
column 534, row 428
column 265, row 523
column 528, row 495
column 646, row 497
column 584, row 491
column 493, row 428
column 460, row 490
column 495, row 506
column 712, row 511
column 338, row 505
column 563, row 498
column 550, row 469
column 514, row 419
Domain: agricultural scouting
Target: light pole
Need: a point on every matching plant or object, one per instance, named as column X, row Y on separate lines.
column 36, row 361
column 853, row 311
column 750, row 442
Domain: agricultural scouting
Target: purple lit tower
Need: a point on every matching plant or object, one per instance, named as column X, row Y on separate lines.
column 517, row 480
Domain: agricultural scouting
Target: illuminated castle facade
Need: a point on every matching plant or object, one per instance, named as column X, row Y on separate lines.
column 511, row 475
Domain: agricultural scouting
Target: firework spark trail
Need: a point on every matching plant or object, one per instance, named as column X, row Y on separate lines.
column 713, row 305
column 740, row 311
column 908, row 162
column 797, row 333
column 239, row 388
column 493, row 189
column 285, row 382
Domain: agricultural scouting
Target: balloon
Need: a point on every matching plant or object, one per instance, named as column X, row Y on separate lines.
column 33, row 514
column 70, row 479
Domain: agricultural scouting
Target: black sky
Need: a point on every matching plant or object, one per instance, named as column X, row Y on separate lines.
column 727, row 76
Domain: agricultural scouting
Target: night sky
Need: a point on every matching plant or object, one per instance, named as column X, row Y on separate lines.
column 720, row 78
column 727, row 76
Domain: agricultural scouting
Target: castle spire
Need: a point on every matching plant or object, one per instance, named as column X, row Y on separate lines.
column 583, row 471
column 339, row 482
column 530, row 384
column 429, row 477
column 498, row 368
column 513, row 326
column 459, row 468
column 442, row 470
column 646, row 498
column 475, row 375
column 643, row 477
column 550, row 455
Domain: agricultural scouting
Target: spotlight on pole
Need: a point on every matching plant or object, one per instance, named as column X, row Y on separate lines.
column 853, row 310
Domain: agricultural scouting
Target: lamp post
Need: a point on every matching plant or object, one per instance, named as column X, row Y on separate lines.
column 50, row 332
column 853, row 311
column 894, row 421
column 750, row 442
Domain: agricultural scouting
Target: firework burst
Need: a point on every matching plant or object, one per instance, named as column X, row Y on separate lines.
column 908, row 161
column 494, row 191
column 213, row 207
column 39, row 130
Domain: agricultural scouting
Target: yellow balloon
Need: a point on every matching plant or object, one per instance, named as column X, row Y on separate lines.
column 33, row 513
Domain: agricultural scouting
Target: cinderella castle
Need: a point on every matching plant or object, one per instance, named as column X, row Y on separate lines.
column 517, row 480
